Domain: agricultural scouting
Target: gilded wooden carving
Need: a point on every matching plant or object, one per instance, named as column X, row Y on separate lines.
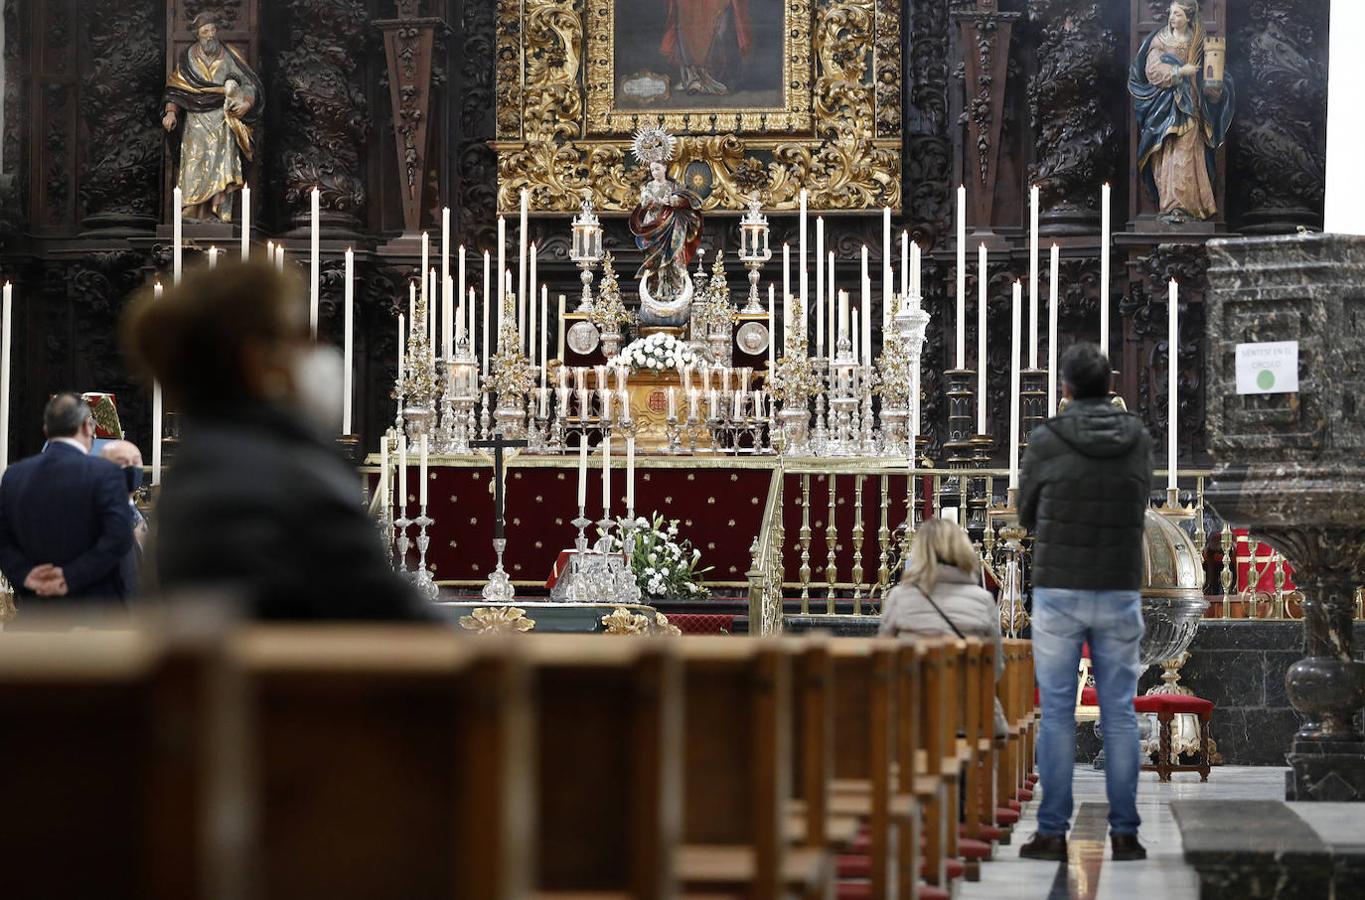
column 569, row 101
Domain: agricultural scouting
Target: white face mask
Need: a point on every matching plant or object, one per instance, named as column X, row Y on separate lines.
column 317, row 387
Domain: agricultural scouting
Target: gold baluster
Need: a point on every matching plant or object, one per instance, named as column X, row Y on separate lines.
column 804, row 538
column 884, row 539
column 1277, row 610
column 988, row 539
column 909, row 535
column 1227, row 543
column 831, row 541
column 858, row 544
column 1253, row 575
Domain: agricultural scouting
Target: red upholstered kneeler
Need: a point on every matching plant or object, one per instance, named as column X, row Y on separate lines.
column 1166, row 707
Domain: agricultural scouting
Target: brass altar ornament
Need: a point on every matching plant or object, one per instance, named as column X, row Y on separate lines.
column 623, row 621
column 663, row 626
column 497, row 620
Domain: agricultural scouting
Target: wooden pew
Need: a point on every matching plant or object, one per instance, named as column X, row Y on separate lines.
column 609, row 739
column 914, row 787
column 117, row 768
column 390, row 762
column 984, row 789
column 936, row 728
column 737, row 773
column 973, row 750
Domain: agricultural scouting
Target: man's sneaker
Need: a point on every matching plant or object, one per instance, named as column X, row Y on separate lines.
column 1045, row 846
column 1126, row 847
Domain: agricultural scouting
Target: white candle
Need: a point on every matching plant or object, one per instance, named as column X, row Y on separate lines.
column 384, row 472
column 772, row 331
column 606, row 471
column 583, row 465
column 522, row 241
column 820, row 286
column 470, row 305
column 486, row 279
column 544, row 332
column 279, row 258
column 560, row 345
column 916, row 277
column 1104, row 269
column 865, row 336
column 531, row 313
column 178, row 245
column 314, row 264
column 1052, row 332
column 630, row 475
column 422, row 475
column 1033, row 277
column 270, row 252
column 156, row 393
column 412, row 303
column 961, row 277
column 857, row 335
column 802, row 248
column 905, row 264
column 348, row 345
column 447, row 287
column 6, row 319
column 623, row 397
column 1172, row 370
column 402, row 342
column 672, row 403
column 402, row 472
column 448, row 290
column 843, row 316
column 786, row 269
column 887, row 287
column 213, row 257
column 981, row 283
column 246, row 223
column 430, row 311
column 833, row 326
column 1014, row 385
column 502, row 291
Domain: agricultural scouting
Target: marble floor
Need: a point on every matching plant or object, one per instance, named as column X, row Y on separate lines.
column 1090, row 874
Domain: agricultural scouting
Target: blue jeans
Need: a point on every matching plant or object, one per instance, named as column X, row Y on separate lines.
column 1111, row 621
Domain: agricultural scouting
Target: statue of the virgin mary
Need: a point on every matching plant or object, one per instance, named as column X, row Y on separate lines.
column 667, row 227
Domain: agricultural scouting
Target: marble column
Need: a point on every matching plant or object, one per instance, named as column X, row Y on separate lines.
column 1291, row 469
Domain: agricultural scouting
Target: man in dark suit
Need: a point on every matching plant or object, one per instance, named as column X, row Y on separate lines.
column 65, row 524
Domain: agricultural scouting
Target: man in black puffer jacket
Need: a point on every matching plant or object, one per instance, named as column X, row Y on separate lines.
column 1083, row 492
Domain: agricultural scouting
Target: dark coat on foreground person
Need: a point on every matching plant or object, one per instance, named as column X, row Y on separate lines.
column 258, row 506
column 1083, row 491
column 69, row 509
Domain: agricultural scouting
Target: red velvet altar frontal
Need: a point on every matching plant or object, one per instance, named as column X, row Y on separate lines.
column 719, row 507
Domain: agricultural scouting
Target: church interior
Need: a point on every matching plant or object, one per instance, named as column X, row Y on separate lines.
column 505, row 449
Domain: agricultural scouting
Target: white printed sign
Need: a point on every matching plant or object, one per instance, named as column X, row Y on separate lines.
column 1268, row 368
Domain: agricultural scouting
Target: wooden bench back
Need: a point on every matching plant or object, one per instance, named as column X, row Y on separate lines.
column 609, row 741
column 389, row 762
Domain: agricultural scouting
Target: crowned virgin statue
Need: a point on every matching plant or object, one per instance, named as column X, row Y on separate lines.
column 1184, row 105
column 667, row 227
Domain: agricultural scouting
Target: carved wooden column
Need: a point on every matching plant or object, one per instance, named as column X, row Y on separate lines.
column 985, row 42
column 323, row 111
column 120, row 88
column 1277, row 155
column 408, row 44
column 1073, row 133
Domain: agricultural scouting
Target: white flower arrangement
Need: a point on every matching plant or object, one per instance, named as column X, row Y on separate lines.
column 665, row 568
column 658, row 352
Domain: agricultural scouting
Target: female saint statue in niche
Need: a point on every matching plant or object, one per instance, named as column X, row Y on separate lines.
column 667, row 227
column 1183, row 111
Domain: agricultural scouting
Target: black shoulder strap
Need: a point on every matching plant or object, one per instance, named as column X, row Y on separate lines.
column 938, row 610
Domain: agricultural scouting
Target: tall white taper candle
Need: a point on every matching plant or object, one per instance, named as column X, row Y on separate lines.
column 348, row 343
column 178, row 245
column 1172, row 381
column 803, row 269
column 1052, row 331
column 246, row 223
column 820, row 287
column 887, row 287
column 1015, row 337
column 523, row 239
column 1033, row 277
column 156, row 402
column 582, row 470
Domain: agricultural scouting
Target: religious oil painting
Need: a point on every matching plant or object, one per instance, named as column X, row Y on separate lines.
column 678, row 55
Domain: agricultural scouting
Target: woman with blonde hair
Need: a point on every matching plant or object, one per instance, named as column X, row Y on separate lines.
column 941, row 591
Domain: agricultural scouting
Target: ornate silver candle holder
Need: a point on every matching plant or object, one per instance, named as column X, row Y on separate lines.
column 499, row 588
column 754, row 250
column 423, row 577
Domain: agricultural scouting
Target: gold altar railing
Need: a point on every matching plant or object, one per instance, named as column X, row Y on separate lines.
column 766, row 573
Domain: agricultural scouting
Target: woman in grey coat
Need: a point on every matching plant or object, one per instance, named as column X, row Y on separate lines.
column 941, row 592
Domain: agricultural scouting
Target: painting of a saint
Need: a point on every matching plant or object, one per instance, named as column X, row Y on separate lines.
column 699, row 54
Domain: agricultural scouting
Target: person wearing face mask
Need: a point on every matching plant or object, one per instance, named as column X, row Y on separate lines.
column 65, row 526
column 258, row 503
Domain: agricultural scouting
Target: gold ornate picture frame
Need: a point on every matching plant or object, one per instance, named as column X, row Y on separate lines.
column 562, row 127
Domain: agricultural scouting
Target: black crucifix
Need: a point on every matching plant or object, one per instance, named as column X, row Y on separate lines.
column 498, row 445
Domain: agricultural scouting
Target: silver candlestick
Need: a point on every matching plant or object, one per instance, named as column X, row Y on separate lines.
column 401, row 541
column 499, row 587
column 423, row 577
